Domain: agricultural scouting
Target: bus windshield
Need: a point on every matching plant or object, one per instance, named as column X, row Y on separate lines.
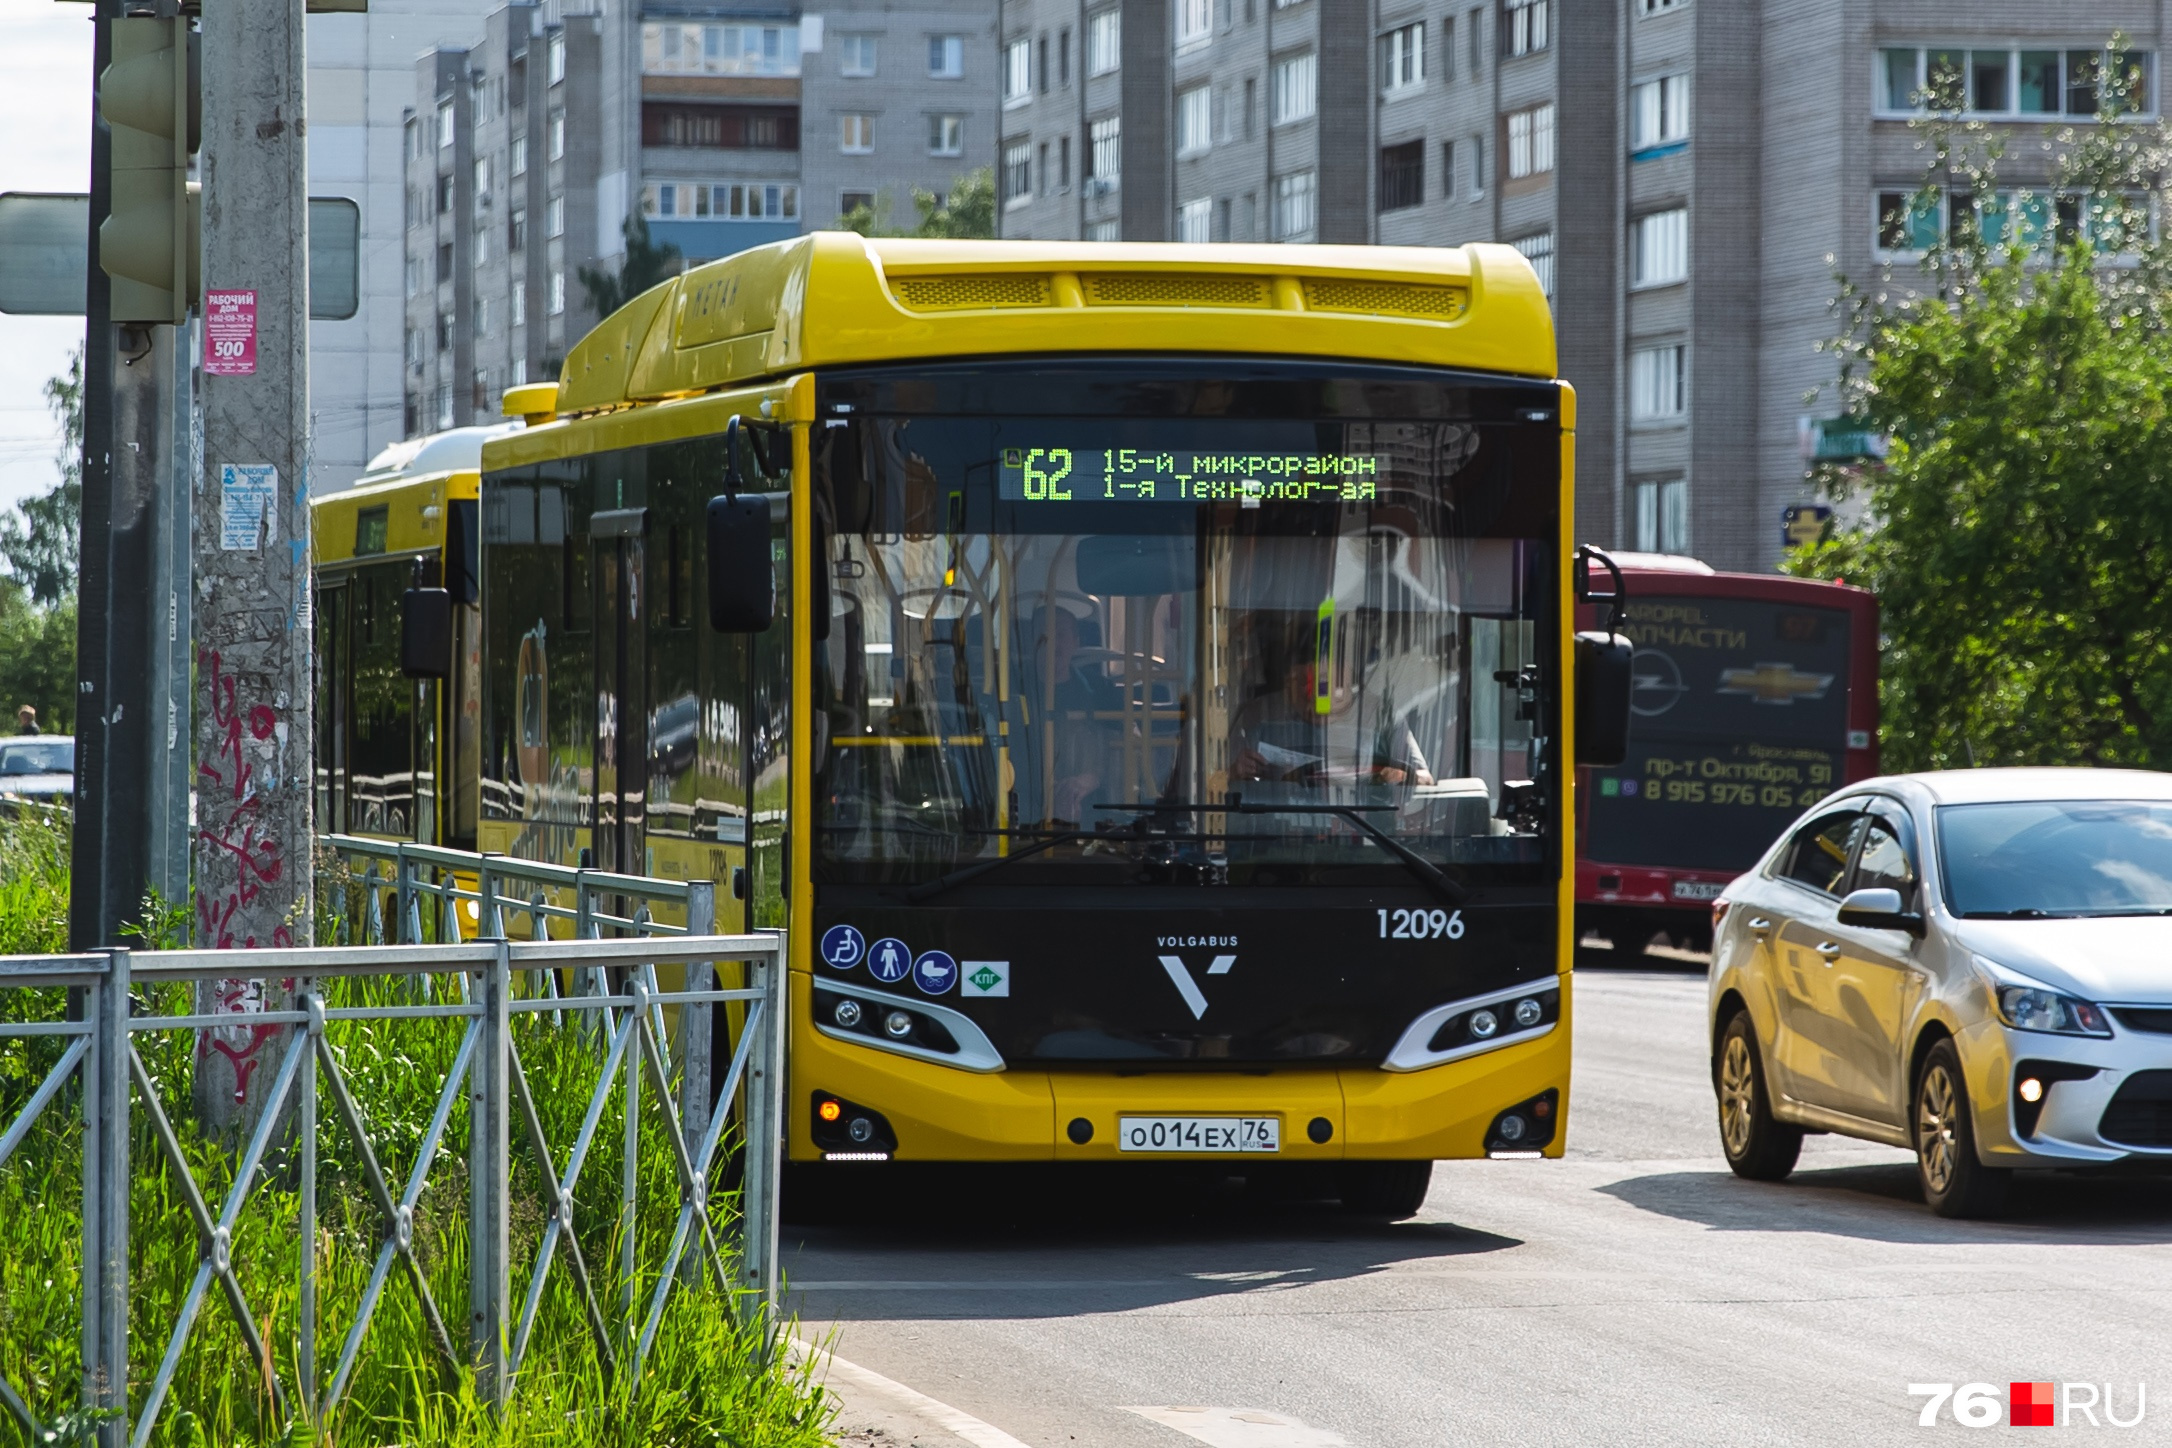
column 1196, row 651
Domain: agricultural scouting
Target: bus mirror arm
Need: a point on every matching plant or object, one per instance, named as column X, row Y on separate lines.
column 1616, row 601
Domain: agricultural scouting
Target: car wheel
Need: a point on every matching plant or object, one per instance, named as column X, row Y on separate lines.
column 1956, row 1183
column 1391, row 1189
column 1759, row 1147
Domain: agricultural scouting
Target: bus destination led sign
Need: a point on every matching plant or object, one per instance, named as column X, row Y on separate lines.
column 1140, row 475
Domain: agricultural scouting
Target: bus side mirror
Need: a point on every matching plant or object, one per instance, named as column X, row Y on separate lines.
column 426, row 646
column 742, row 581
column 1602, row 698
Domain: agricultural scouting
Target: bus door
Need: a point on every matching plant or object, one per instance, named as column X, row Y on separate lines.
column 618, row 576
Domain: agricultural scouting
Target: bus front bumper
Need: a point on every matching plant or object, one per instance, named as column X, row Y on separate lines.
column 938, row 1113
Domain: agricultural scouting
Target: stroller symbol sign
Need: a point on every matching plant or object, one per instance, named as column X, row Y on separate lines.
column 889, row 960
column 842, row 947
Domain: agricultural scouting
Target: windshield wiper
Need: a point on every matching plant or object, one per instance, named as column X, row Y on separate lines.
column 929, row 889
column 2026, row 912
column 1447, row 888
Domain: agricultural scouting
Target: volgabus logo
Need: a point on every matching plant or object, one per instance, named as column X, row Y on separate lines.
column 2028, row 1405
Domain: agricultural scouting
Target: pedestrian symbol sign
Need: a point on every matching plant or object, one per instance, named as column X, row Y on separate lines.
column 842, row 947
column 985, row 978
column 889, row 961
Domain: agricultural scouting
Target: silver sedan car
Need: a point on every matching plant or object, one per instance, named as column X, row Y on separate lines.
column 1974, row 965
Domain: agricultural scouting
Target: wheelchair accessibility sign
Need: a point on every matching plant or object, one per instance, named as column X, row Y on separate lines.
column 843, row 946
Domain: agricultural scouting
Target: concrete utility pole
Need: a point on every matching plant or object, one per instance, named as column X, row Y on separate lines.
column 253, row 728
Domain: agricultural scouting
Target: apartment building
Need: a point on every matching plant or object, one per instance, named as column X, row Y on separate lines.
column 361, row 85
column 724, row 127
column 1685, row 175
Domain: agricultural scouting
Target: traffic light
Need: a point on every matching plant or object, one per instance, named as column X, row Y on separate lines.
column 150, row 242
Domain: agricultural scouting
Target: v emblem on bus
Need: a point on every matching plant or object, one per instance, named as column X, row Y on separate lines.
column 1181, row 978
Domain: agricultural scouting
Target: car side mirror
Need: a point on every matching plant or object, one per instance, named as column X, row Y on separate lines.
column 1602, row 698
column 426, row 647
column 1880, row 909
column 742, row 580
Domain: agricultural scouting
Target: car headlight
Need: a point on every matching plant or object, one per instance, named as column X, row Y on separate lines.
column 2029, row 1008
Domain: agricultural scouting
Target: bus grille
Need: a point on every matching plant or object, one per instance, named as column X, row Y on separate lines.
column 1137, row 289
column 1398, row 299
column 2141, row 1114
column 971, row 293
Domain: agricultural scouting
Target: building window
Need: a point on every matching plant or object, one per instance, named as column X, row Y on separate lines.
column 1660, row 7
column 734, row 128
column 517, row 156
column 1531, row 142
column 414, row 277
column 1448, row 170
column 1659, row 248
column 1102, row 231
column 1296, row 196
column 1063, row 163
column 444, row 407
column 1538, row 249
column 1655, row 381
column 1104, row 41
column 1195, row 120
column 1478, row 165
column 1402, row 59
column 1018, row 72
column 856, row 55
column 720, row 201
column 1402, row 176
column 558, row 294
column 1913, row 80
column 856, row 135
column 1448, row 48
column 1296, row 88
column 1528, row 24
column 1910, row 222
column 517, row 305
column 557, row 133
column 1063, row 56
column 946, row 57
column 1658, row 116
column 1195, row 220
column 482, row 182
column 520, row 372
column 1663, row 516
column 1017, row 172
column 946, row 135
column 444, row 125
column 554, row 217
column 1105, row 139
column 482, row 316
column 516, row 235
column 729, row 49
column 558, row 57
column 1194, row 22
column 1474, row 29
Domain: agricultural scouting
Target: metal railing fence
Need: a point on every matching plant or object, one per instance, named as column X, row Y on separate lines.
column 102, row 1069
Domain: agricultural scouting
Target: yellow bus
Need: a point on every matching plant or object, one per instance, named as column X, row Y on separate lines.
column 397, row 630
column 1138, row 676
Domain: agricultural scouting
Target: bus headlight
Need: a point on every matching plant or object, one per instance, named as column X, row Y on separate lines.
column 1484, row 1024
column 848, row 1013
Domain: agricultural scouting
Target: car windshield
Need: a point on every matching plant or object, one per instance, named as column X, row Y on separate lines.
column 37, row 756
column 2057, row 857
column 1226, row 651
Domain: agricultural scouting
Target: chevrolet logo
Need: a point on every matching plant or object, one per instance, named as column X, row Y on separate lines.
column 1774, row 683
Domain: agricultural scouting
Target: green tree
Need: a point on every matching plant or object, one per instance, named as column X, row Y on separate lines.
column 39, row 536
column 2020, row 535
column 967, row 213
column 37, row 660
column 647, row 262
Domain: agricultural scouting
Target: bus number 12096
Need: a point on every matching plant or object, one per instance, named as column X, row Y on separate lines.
column 1421, row 924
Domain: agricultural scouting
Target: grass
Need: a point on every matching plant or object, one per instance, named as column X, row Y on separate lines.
column 712, row 1378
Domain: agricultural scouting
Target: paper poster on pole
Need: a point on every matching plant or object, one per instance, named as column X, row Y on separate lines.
column 230, row 334
column 248, row 505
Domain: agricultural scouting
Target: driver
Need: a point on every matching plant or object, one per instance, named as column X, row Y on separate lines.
column 1283, row 738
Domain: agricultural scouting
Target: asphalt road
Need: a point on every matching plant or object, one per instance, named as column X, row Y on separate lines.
column 1632, row 1293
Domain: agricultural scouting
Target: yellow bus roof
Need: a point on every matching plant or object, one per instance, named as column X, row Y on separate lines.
column 833, row 298
column 414, row 515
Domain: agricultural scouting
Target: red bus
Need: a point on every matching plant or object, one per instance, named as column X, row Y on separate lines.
column 1754, row 695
